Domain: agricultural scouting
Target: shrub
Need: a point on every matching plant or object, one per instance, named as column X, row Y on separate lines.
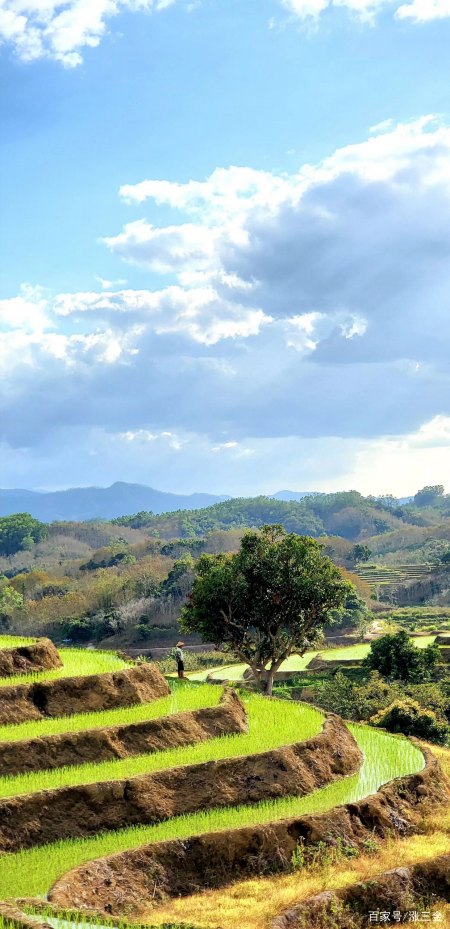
column 409, row 718
column 396, row 657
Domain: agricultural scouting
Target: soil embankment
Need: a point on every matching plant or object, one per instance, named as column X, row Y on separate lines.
column 95, row 745
column 68, row 812
column 131, row 882
column 26, row 659
column 403, row 890
column 321, row 664
column 69, row 695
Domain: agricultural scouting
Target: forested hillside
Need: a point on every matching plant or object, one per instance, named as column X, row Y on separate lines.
column 127, row 579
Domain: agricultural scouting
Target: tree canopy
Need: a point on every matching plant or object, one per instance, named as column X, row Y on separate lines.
column 19, row 532
column 396, row 657
column 428, row 495
column 267, row 601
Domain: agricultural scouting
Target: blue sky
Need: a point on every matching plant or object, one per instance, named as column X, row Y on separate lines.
column 225, row 244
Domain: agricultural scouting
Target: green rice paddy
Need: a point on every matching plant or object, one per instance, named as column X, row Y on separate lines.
column 182, row 699
column 33, row 872
column 14, row 641
column 76, row 663
column 271, row 725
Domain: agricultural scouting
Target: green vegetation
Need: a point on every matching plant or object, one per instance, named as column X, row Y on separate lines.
column 347, row 514
column 354, row 615
column 395, row 657
column 429, row 495
column 269, row 727
column 370, row 699
column 409, row 717
column 296, row 663
column 418, row 618
column 182, row 699
column 267, row 601
column 32, row 872
column 126, row 581
column 20, row 531
column 196, row 661
column 14, row 641
column 76, row 662
column 10, row 602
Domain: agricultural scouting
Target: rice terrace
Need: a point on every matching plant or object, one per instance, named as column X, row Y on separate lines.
column 244, row 794
column 286, row 766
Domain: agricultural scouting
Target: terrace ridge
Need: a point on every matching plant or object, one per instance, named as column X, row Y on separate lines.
column 33, row 657
column 68, row 812
column 69, row 695
column 121, row 741
column 119, row 884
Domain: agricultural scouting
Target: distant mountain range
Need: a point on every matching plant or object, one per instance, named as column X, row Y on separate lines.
column 82, row 503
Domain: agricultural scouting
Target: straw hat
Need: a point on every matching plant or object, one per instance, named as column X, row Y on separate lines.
column 179, row 644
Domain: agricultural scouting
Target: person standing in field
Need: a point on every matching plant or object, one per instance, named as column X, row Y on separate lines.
column 179, row 659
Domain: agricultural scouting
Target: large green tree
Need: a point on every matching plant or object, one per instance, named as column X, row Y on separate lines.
column 429, row 495
column 20, row 531
column 10, row 600
column 267, row 601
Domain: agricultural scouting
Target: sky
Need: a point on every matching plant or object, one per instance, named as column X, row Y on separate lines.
column 225, row 244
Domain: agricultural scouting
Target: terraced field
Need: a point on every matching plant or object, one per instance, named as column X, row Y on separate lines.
column 76, row 662
column 295, row 663
column 272, row 761
column 392, row 575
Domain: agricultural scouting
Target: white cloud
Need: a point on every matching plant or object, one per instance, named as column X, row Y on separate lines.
column 27, row 311
column 230, row 202
column 307, row 321
column 110, row 285
column 197, row 312
column 423, row 11
column 61, row 29
column 433, row 434
column 419, row 11
column 402, row 464
column 170, row 249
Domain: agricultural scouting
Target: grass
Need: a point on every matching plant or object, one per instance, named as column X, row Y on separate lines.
column 182, row 699
column 254, row 903
column 14, row 641
column 271, row 724
column 76, row 662
column 32, row 872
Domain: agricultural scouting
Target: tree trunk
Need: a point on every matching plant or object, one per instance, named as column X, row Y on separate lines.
column 269, row 682
column 258, row 676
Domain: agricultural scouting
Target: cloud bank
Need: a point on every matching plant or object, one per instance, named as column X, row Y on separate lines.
column 304, row 331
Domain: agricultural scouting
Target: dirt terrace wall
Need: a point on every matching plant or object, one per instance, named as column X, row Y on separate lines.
column 130, row 881
column 320, row 664
column 402, row 889
column 46, row 816
column 40, row 656
column 94, row 745
column 70, row 695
